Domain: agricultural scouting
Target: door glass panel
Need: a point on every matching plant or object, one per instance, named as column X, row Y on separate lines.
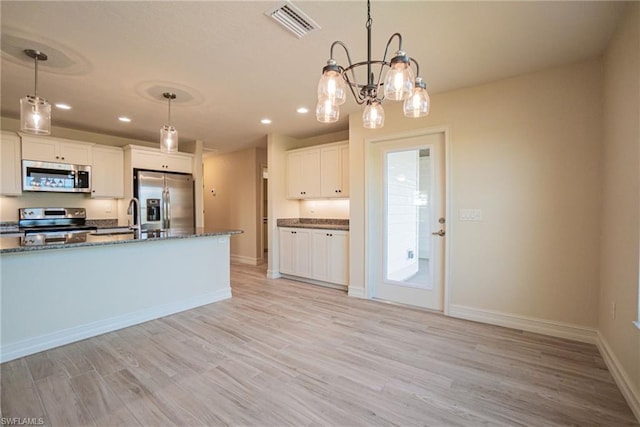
column 408, row 218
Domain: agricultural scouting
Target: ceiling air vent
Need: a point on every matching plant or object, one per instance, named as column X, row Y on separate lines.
column 293, row 19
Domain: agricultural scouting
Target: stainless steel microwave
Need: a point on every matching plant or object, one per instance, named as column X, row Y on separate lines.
column 55, row 177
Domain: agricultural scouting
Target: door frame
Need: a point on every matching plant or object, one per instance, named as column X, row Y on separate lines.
column 369, row 188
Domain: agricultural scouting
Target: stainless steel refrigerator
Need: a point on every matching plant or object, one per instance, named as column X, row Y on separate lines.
column 166, row 200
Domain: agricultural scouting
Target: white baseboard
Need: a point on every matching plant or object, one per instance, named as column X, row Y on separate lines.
column 314, row 282
column 529, row 324
column 245, row 259
column 630, row 393
column 273, row 274
column 77, row 333
column 357, row 292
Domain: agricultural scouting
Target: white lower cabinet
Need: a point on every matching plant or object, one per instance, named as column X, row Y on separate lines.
column 330, row 254
column 316, row 254
column 295, row 251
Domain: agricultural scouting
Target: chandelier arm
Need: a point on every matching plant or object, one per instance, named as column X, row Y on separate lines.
column 384, row 58
column 386, row 49
column 350, row 67
column 417, row 66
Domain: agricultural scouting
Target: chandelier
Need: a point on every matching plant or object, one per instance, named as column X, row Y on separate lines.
column 35, row 112
column 399, row 84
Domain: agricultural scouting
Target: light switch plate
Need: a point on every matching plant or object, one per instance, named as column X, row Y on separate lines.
column 470, row 215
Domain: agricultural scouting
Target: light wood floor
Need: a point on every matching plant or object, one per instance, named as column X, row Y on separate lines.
column 283, row 353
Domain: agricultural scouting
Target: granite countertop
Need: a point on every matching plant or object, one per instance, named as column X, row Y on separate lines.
column 12, row 243
column 319, row 223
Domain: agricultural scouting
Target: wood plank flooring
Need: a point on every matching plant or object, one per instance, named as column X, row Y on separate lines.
column 284, row 353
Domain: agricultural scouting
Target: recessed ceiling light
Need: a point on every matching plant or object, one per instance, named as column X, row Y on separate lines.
column 124, row 119
column 63, row 106
column 265, row 121
column 302, row 110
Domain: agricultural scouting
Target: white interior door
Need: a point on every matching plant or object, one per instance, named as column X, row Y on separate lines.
column 408, row 205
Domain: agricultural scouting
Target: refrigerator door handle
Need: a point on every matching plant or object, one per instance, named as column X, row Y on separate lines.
column 168, row 204
column 164, row 208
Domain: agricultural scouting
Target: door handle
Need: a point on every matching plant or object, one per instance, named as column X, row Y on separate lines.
column 440, row 233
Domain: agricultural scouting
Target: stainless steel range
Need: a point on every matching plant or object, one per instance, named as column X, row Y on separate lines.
column 46, row 226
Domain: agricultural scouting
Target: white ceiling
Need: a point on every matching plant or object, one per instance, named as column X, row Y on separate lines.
column 231, row 65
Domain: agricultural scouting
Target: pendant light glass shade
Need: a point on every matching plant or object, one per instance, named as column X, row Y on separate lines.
column 398, row 83
column 327, row 112
column 373, row 116
column 168, row 139
column 35, row 115
column 169, row 134
column 35, row 112
column 332, row 86
column 418, row 103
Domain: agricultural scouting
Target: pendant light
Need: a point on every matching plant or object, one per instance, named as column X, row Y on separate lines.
column 373, row 115
column 169, row 134
column 418, row 103
column 399, row 84
column 35, row 112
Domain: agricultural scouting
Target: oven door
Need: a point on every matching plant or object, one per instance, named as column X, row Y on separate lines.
column 55, row 177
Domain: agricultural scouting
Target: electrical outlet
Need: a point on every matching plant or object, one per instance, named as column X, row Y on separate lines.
column 613, row 310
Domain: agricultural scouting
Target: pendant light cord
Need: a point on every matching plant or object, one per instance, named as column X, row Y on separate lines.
column 169, row 111
column 36, row 79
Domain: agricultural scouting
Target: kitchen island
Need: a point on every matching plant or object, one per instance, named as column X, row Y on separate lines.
column 56, row 294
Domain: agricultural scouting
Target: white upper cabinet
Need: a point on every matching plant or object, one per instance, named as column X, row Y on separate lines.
column 334, row 171
column 303, row 167
column 318, row 172
column 10, row 175
column 107, row 172
column 48, row 149
column 154, row 159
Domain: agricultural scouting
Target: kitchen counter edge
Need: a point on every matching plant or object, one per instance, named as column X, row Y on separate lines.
column 316, row 226
column 116, row 239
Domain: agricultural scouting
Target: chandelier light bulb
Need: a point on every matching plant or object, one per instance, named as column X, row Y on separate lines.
column 332, row 86
column 327, row 111
column 398, row 83
column 373, row 115
column 418, row 104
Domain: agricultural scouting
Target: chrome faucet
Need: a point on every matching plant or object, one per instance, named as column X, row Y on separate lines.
column 137, row 218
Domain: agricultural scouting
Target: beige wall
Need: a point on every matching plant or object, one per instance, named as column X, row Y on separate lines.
column 620, row 228
column 237, row 180
column 526, row 151
column 279, row 206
